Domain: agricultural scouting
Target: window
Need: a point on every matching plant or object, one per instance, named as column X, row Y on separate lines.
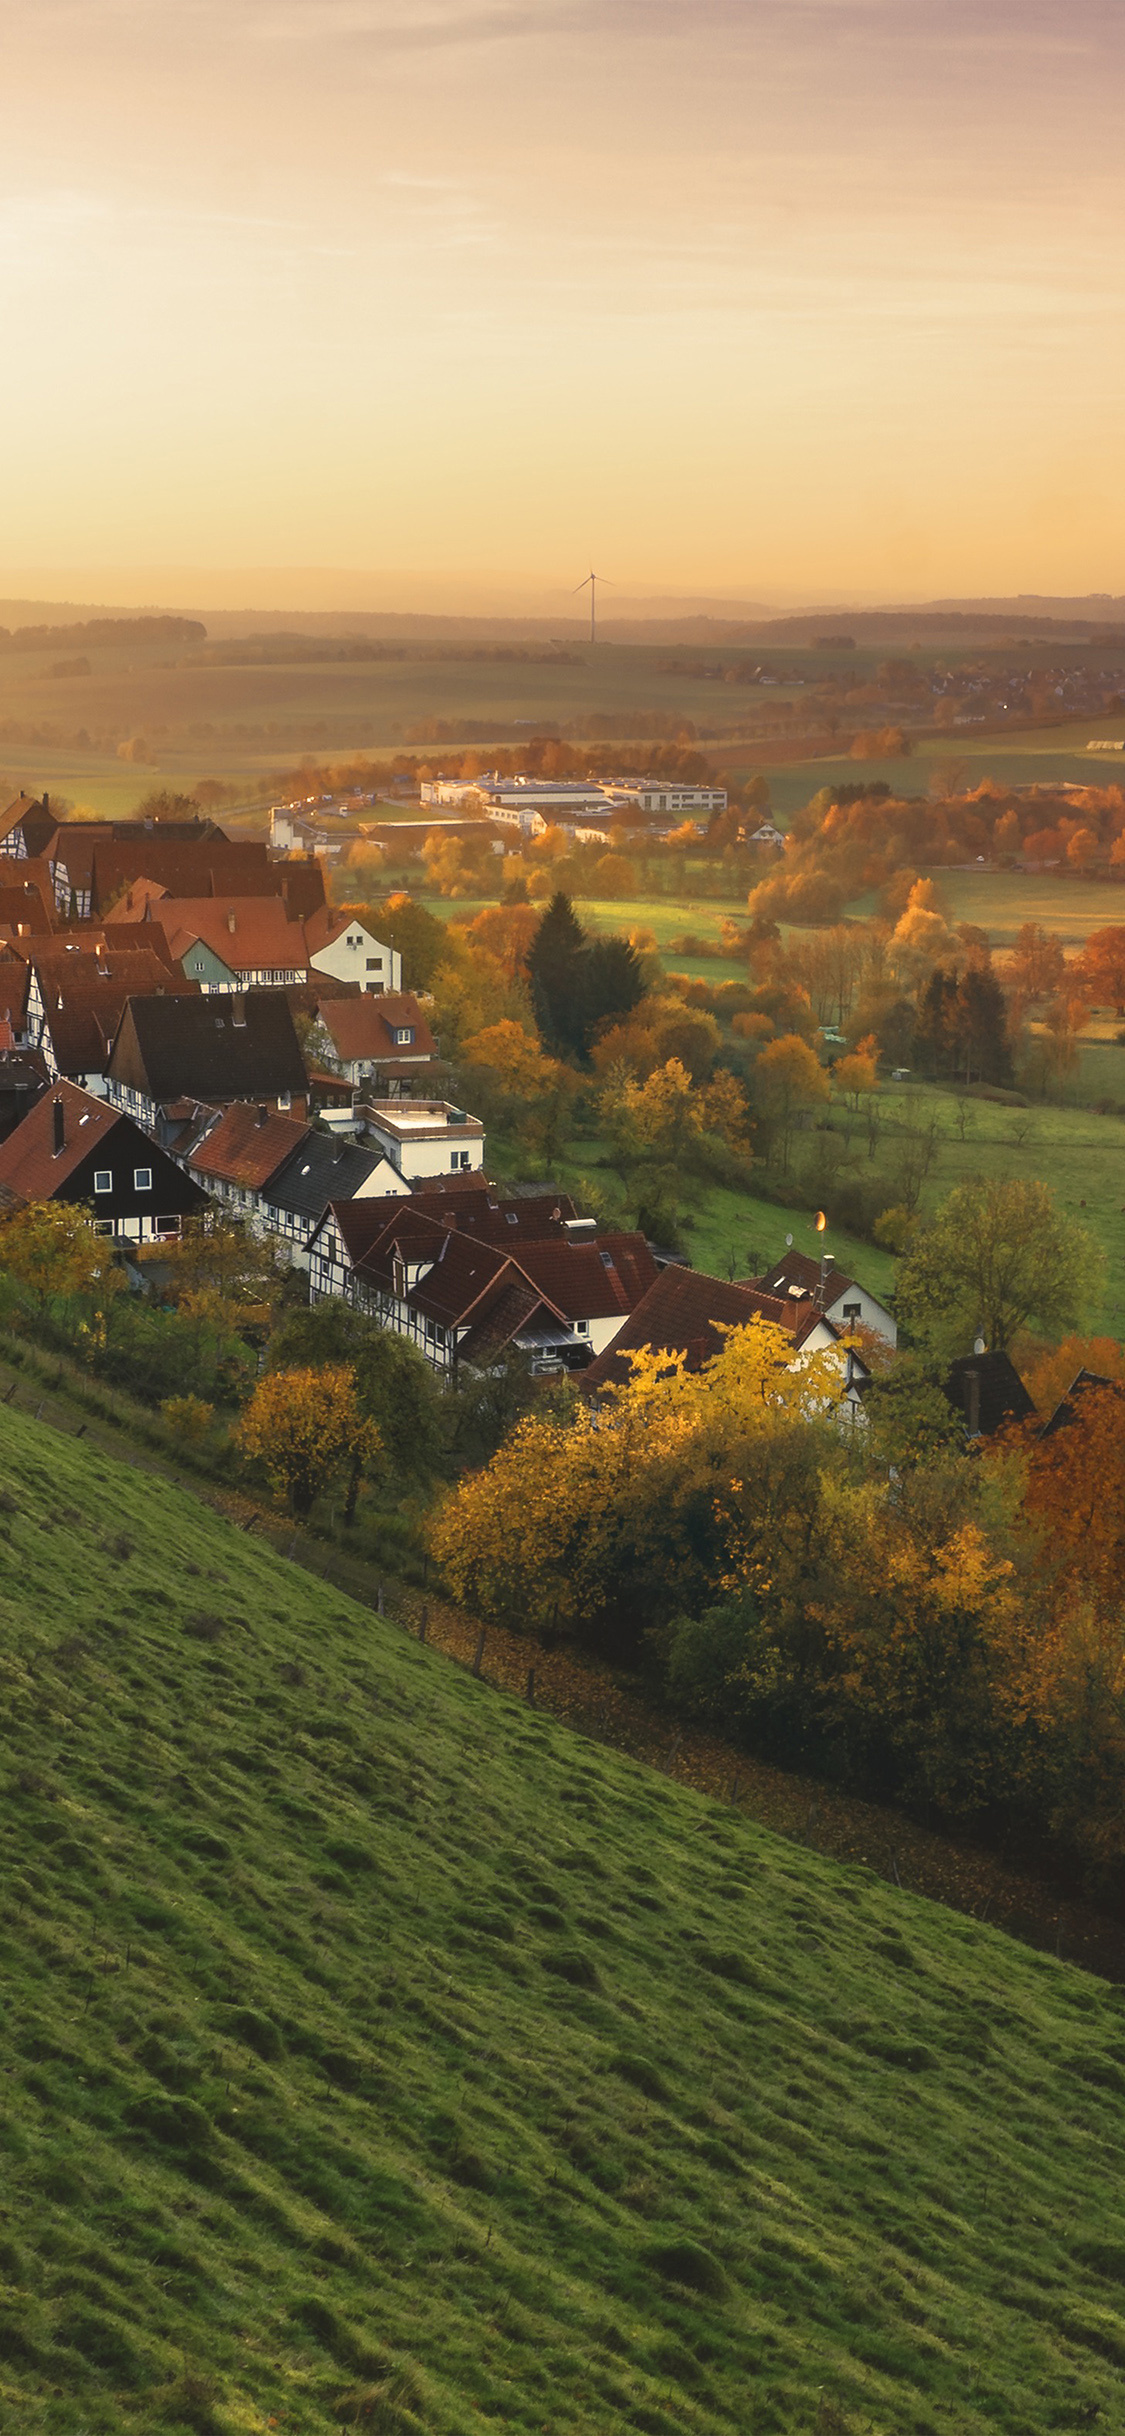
column 853, row 1310
column 374, row 963
column 142, row 1179
column 103, row 1226
column 103, row 1179
column 285, row 1099
column 166, row 1226
column 404, row 1035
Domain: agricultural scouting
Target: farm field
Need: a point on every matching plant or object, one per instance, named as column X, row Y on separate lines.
column 378, row 2052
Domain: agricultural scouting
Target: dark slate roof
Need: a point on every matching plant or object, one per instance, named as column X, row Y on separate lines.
column 320, row 1171
column 1069, row 1407
column 219, row 1048
column 987, row 1390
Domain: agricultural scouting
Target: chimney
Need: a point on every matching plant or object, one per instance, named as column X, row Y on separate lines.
column 231, row 925
column 238, row 1013
column 828, row 1263
column 263, row 1116
column 58, row 1119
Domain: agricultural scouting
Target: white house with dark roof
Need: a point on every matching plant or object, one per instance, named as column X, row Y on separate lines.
column 842, row 1299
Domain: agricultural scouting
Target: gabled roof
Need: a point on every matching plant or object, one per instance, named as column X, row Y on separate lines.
column 1068, row 1409
column 84, row 995
column 801, row 1270
column 134, row 861
column 684, row 1311
column 247, row 1146
column 319, row 1170
column 15, row 814
column 25, row 907
column 30, row 1167
column 102, row 941
column 219, row 1048
column 364, row 1027
column 327, row 924
column 475, row 1208
column 360, row 1223
column 591, row 1280
column 247, row 934
column 986, row 1388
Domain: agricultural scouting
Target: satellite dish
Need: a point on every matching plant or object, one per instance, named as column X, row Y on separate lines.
column 788, row 1243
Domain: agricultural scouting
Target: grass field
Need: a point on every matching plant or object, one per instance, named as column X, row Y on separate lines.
column 1079, row 1154
column 379, row 2054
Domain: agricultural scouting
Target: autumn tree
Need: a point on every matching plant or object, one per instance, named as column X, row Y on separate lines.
column 788, row 1082
column 51, row 1248
column 505, row 932
column 305, row 1427
column 855, row 1076
column 513, row 1082
column 999, row 1256
column 1101, row 967
column 394, row 1384
column 1076, row 1487
column 597, row 1524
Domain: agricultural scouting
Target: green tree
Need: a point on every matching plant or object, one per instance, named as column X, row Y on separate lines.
column 999, row 1256
column 395, row 1387
column 552, row 963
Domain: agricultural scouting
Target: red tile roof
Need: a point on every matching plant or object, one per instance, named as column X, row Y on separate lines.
column 30, row 1167
column 591, row 1280
column 247, row 1146
column 248, row 934
column 84, row 995
column 364, row 1027
column 685, row 1311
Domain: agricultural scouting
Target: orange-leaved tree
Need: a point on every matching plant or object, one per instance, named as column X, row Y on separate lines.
column 304, row 1427
column 1076, row 1488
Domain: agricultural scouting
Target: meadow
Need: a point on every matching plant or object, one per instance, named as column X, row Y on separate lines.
column 378, row 2053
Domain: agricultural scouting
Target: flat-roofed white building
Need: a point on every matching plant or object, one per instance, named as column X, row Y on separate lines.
column 424, row 1137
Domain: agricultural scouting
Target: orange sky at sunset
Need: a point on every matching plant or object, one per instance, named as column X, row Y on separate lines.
column 782, row 298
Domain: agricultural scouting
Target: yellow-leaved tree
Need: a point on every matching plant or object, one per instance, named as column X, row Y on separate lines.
column 600, row 1524
column 51, row 1248
column 305, row 1427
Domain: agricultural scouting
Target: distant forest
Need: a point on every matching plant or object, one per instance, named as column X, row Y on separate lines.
column 104, row 630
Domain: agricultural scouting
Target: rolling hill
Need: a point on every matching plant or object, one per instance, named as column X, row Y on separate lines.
column 378, row 2054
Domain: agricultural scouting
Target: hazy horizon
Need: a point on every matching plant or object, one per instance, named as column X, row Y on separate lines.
column 802, row 299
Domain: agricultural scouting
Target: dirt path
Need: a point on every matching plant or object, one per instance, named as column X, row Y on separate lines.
column 613, row 1710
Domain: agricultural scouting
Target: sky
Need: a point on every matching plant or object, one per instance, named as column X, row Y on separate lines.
column 443, row 301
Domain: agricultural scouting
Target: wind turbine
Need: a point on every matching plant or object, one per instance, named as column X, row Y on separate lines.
column 593, row 581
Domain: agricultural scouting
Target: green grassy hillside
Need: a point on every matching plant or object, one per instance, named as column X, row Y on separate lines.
column 377, row 2054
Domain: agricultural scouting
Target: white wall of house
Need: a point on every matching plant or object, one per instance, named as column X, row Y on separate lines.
column 857, row 1308
column 356, row 956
